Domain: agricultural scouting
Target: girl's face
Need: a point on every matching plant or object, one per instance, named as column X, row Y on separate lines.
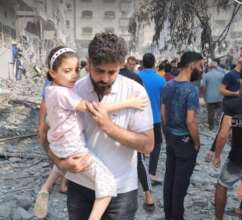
column 67, row 73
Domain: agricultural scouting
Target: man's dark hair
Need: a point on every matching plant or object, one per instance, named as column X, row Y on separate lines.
column 107, row 48
column 161, row 66
column 189, row 57
column 148, row 60
column 168, row 68
column 83, row 64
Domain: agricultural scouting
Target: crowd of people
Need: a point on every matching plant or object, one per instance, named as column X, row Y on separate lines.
column 98, row 129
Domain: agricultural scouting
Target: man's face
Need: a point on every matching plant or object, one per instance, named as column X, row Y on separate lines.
column 130, row 65
column 103, row 76
column 197, row 70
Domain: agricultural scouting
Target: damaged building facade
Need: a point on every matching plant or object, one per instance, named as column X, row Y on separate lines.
column 36, row 26
column 39, row 25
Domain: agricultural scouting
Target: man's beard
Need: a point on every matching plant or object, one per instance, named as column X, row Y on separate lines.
column 101, row 88
column 196, row 75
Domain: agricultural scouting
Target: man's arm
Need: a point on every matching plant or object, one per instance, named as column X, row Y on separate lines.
column 221, row 139
column 225, row 92
column 239, row 190
column 203, row 86
column 191, row 122
column 142, row 142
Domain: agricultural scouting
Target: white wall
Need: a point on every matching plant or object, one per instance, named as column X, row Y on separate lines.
column 6, row 70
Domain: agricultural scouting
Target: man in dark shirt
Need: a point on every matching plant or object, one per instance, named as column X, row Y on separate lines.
column 130, row 74
column 232, row 169
column 230, row 89
column 180, row 105
column 230, row 86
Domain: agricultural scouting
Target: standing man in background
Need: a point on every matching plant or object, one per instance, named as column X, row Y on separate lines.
column 154, row 84
column 131, row 63
column 180, row 105
column 210, row 84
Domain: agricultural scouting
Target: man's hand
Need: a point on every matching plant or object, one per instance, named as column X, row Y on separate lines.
column 197, row 147
column 209, row 156
column 75, row 164
column 240, row 59
column 237, row 93
column 100, row 115
column 239, row 190
column 216, row 162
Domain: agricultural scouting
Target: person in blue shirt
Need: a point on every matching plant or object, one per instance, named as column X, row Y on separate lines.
column 180, row 105
column 14, row 52
column 210, row 84
column 154, row 84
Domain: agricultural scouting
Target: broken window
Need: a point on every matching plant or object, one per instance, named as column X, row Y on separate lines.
column 109, row 15
column 124, row 22
column 67, row 24
column 87, row 30
column 87, row 14
column 109, row 29
column 68, row 5
column 33, row 27
column 109, row 1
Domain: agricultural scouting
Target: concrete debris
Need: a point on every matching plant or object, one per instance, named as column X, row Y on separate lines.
column 21, row 214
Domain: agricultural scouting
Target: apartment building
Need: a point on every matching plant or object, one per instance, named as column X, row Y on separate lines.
column 93, row 16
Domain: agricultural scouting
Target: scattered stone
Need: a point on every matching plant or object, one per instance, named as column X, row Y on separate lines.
column 25, row 201
column 5, row 212
column 21, row 214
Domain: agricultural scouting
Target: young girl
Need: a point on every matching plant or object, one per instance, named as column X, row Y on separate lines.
column 65, row 134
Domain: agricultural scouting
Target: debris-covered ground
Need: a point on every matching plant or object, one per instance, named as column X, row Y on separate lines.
column 24, row 165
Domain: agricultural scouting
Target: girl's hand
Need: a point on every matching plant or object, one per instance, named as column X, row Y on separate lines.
column 137, row 102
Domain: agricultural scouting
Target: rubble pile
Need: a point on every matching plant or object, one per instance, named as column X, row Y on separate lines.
column 19, row 106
